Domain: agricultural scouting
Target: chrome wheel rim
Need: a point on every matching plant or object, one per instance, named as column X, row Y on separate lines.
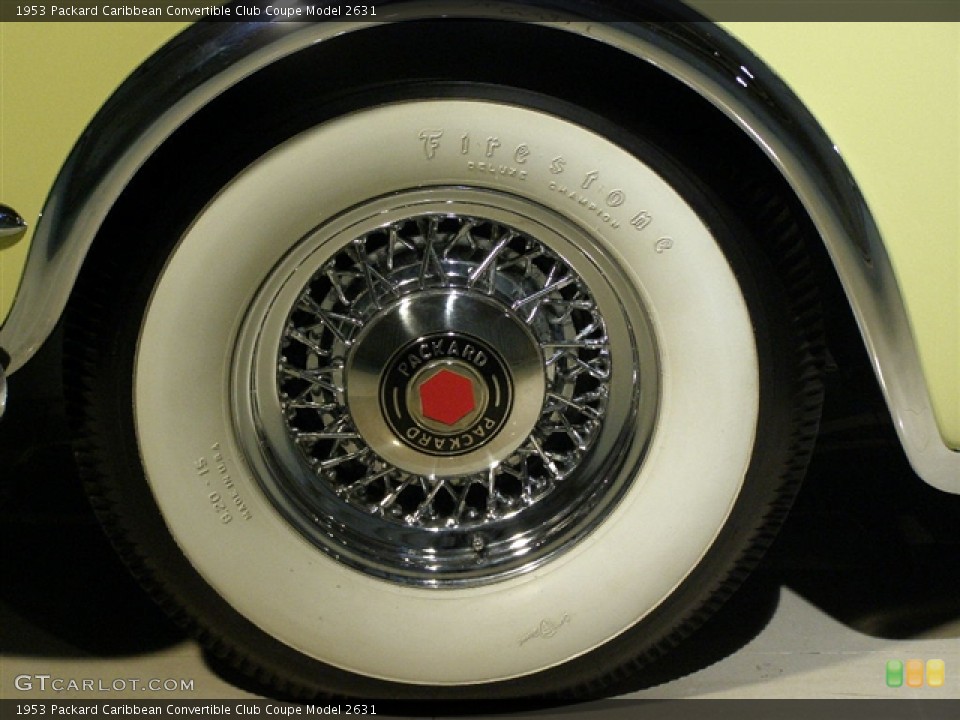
column 393, row 334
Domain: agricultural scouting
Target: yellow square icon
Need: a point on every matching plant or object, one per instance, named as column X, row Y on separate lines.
column 936, row 673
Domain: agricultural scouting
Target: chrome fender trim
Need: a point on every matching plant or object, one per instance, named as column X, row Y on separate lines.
column 3, row 386
column 12, row 226
column 208, row 58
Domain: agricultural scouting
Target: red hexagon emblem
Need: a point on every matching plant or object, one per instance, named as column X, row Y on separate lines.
column 447, row 397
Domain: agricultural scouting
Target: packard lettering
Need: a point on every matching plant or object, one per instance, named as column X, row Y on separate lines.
column 443, row 347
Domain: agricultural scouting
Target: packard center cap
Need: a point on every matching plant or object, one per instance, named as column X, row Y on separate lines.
column 446, row 394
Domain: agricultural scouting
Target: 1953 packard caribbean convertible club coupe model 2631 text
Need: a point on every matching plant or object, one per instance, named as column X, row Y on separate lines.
column 480, row 349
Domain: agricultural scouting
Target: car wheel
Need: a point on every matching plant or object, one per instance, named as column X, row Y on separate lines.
column 473, row 395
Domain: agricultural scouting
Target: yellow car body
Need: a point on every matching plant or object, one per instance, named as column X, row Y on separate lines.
column 54, row 78
column 887, row 94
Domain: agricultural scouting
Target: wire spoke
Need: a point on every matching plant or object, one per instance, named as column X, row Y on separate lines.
column 434, row 252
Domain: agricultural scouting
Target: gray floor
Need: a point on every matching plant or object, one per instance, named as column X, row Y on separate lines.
column 866, row 570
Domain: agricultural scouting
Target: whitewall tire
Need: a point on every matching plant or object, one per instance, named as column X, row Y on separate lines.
column 289, row 282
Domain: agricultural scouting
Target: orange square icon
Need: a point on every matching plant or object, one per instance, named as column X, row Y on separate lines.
column 914, row 673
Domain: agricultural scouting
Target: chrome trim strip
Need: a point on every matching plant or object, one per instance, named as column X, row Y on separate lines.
column 209, row 58
column 3, row 390
column 743, row 88
column 11, row 224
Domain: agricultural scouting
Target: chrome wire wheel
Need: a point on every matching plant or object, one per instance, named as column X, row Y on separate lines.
column 464, row 375
column 435, row 395
column 341, row 265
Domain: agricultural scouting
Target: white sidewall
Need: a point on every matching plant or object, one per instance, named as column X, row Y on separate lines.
column 655, row 536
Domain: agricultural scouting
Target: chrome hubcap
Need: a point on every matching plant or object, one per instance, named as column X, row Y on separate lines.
column 447, row 405
column 443, row 402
